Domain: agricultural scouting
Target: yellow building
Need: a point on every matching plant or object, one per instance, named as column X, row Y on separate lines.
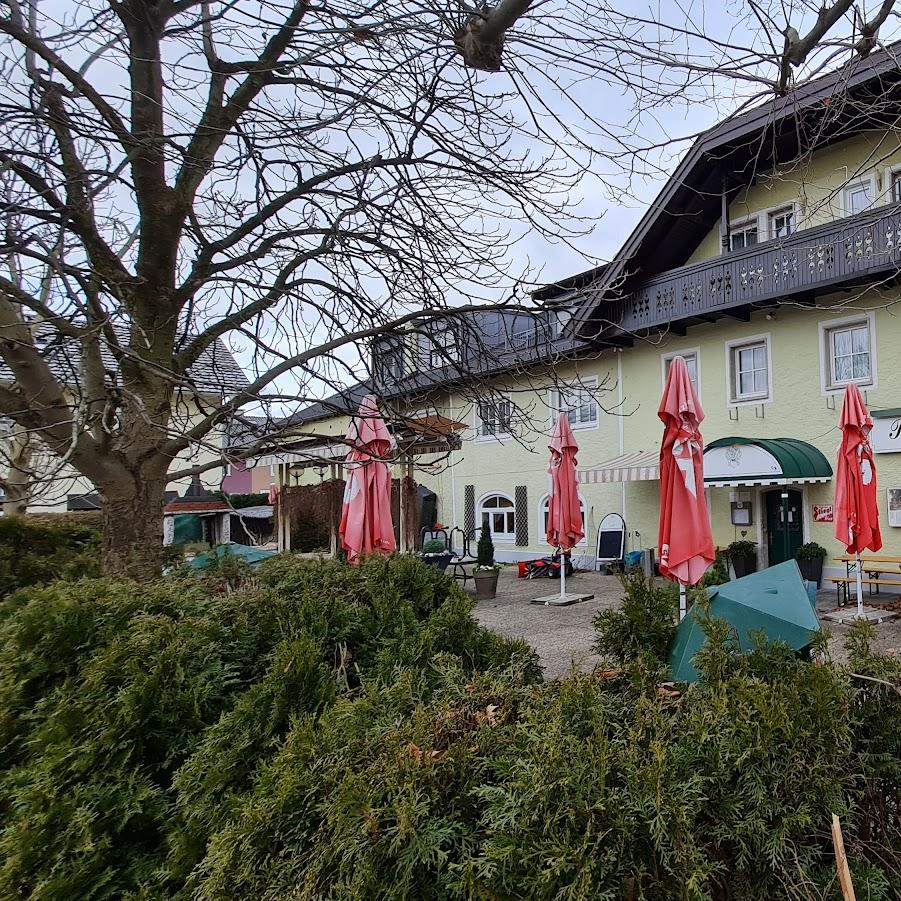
column 770, row 262
column 55, row 486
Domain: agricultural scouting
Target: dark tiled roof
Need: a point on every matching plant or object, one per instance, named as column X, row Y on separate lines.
column 343, row 402
column 215, row 372
column 245, row 431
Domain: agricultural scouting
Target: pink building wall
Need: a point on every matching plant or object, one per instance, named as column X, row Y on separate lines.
column 243, row 479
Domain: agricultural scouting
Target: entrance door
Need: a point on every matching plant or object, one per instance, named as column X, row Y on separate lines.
column 783, row 538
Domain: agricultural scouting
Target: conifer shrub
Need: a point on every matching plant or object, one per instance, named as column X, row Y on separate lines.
column 35, row 552
column 642, row 628
column 326, row 731
column 485, row 549
column 718, row 574
column 135, row 718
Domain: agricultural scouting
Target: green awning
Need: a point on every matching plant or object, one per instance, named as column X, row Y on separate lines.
column 893, row 413
column 737, row 461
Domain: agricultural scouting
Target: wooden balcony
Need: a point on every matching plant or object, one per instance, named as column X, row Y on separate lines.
column 850, row 251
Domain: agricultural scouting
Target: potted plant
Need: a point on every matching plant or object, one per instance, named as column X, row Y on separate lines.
column 436, row 553
column 486, row 570
column 743, row 557
column 810, row 558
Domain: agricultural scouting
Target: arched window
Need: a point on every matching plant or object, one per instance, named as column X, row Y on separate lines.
column 544, row 512
column 498, row 511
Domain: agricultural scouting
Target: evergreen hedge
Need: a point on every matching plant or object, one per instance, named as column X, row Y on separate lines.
column 323, row 731
column 38, row 550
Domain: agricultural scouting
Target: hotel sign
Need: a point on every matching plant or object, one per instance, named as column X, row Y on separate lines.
column 886, row 435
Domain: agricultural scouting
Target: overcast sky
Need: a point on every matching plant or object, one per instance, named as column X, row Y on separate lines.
column 615, row 213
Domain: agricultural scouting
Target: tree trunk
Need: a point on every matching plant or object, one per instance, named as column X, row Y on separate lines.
column 17, row 484
column 133, row 526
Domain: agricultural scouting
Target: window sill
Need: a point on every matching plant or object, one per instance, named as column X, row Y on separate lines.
column 750, row 401
column 493, row 439
column 866, row 385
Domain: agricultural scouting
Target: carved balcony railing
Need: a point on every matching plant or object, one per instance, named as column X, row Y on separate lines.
column 844, row 251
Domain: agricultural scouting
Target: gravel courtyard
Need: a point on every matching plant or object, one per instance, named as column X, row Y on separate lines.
column 563, row 636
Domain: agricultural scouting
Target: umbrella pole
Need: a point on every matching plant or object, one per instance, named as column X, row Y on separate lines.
column 683, row 604
column 562, row 574
column 859, row 586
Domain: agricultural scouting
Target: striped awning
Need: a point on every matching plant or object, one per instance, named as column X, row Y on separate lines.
column 639, row 466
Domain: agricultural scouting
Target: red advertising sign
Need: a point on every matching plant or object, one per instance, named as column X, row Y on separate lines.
column 822, row 513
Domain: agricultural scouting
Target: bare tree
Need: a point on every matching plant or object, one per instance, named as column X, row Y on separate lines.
column 301, row 177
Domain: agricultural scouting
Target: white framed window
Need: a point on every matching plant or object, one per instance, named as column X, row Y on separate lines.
column 890, row 185
column 559, row 320
column 390, row 362
column 443, row 346
column 749, row 369
column 494, row 418
column 848, row 353
column 578, row 402
column 691, row 357
column 273, row 470
column 858, row 196
column 544, row 513
column 744, row 234
column 781, row 222
column 498, row 512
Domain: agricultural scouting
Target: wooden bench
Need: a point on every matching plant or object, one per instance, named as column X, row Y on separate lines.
column 874, row 567
column 843, row 585
column 850, row 558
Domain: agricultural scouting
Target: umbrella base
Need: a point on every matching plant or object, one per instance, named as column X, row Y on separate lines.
column 848, row 615
column 562, row 600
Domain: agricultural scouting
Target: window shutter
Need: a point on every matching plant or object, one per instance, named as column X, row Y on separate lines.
column 469, row 509
column 521, row 506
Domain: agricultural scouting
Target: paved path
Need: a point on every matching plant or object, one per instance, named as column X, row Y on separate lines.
column 563, row 636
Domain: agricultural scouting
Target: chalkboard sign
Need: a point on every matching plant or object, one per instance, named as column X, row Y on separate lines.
column 611, row 537
column 610, row 545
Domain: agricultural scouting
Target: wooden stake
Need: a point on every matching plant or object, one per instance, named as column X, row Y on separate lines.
column 841, row 860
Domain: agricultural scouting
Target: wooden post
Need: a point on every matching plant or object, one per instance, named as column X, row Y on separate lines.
column 402, row 507
column 408, row 476
column 285, row 536
column 841, row 860
column 332, row 513
column 724, row 220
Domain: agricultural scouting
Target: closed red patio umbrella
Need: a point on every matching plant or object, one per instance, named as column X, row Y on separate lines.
column 366, row 526
column 856, row 510
column 685, row 542
column 564, row 521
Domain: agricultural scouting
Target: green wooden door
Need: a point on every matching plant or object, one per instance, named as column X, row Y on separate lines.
column 783, row 525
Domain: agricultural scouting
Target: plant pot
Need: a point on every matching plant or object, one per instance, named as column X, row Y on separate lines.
column 744, row 565
column 439, row 561
column 812, row 569
column 486, row 583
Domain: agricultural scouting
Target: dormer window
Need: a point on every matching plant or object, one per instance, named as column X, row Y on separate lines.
column 390, row 363
column 444, row 347
column 559, row 320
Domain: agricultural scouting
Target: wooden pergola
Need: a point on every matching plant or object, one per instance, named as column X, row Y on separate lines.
column 414, row 437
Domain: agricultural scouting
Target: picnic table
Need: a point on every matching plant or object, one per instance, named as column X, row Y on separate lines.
column 874, row 566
